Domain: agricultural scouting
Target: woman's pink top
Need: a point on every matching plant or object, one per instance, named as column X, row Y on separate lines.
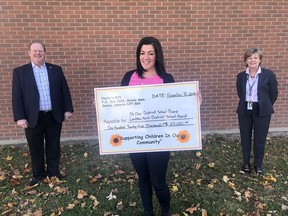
column 136, row 80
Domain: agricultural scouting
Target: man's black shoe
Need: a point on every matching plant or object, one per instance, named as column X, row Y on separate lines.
column 60, row 176
column 258, row 171
column 34, row 181
column 246, row 169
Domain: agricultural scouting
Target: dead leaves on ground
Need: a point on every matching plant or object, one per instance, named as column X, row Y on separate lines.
column 56, row 189
column 80, row 197
column 202, row 175
column 112, row 195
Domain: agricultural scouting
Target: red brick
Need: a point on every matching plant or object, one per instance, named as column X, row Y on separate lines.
column 95, row 43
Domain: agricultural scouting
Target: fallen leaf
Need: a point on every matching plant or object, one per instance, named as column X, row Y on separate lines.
column 247, row 195
column 14, row 192
column 225, row 178
column 10, row 205
column 222, row 213
column 231, row 185
column 32, row 192
column 264, row 183
column 174, row 188
column 2, row 176
column 210, row 186
column 237, row 193
column 17, row 177
column 38, row 212
column 197, row 166
column 119, row 205
column 119, row 172
column 239, row 198
column 204, row 212
column 131, row 183
column 284, row 207
column 132, row 204
column 269, row 187
column 256, row 213
column 81, row 194
column 6, row 212
column 93, row 180
column 107, row 214
column 25, row 155
column 15, row 182
column 70, row 206
column 199, row 181
column 26, row 168
column 99, row 176
column 60, row 190
column 95, row 203
column 114, row 191
column 214, row 181
column 16, row 172
column 240, row 211
column 9, row 158
column 111, row 196
column 258, row 205
column 92, row 197
column 212, row 165
column 53, row 181
column 192, row 209
column 269, row 178
column 76, row 202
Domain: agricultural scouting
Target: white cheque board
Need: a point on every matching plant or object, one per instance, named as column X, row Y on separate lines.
column 148, row 118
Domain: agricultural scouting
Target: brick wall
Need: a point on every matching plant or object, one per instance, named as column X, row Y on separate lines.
column 95, row 43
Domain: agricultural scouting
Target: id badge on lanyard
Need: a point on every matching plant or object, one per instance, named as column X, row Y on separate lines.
column 249, row 105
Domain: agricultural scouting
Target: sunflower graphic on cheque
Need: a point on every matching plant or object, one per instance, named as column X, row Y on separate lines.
column 183, row 136
column 115, row 140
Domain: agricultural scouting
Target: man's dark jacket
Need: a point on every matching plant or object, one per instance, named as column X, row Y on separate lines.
column 25, row 95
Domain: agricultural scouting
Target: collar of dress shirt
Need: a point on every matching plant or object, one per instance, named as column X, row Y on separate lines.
column 258, row 71
column 34, row 65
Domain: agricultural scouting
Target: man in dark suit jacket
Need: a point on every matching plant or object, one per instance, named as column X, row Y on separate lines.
column 41, row 101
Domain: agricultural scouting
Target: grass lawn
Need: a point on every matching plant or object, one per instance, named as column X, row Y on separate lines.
column 206, row 182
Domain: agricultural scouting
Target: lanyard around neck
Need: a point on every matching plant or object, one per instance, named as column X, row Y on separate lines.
column 251, row 86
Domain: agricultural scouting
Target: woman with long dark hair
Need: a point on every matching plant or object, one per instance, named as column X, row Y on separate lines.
column 151, row 167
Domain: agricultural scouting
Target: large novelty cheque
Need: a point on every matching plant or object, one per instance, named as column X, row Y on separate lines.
column 148, row 118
